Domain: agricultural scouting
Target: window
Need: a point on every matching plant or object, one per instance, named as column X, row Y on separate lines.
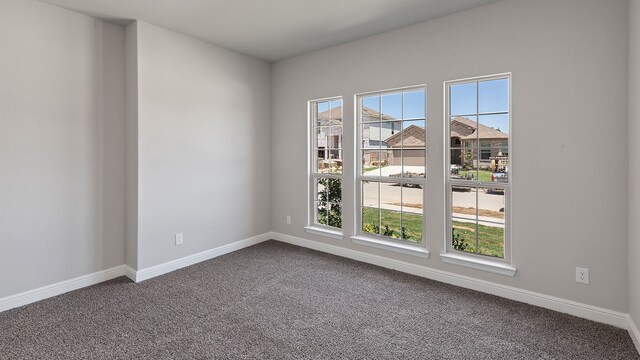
column 478, row 163
column 326, row 163
column 391, row 131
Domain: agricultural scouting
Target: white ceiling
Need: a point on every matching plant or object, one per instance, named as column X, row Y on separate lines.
column 273, row 29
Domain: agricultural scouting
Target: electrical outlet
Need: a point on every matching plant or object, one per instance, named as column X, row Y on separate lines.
column 582, row 275
column 179, row 239
column 289, row 219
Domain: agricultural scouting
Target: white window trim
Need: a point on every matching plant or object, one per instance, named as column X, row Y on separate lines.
column 478, row 264
column 330, row 233
column 313, row 227
column 379, row 241
column 475, row 261
column 395, row 246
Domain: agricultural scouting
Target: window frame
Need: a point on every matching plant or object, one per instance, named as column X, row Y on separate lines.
column 377, row 240
column 313, row 226
column 477, row 261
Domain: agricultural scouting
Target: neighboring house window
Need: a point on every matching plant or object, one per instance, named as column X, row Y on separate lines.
column 478, row 163
column 326, row 162
column 391, row 147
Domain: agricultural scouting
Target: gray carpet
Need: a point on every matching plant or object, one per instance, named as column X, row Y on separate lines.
column 279, row 301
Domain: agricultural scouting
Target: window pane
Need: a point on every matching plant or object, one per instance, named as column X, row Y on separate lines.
column 390, row 223
column 463, row 99
column 494, row 95
column 414, row 134
column 323, row 161
column 491, row 206
column 370, row 108
column 391, row 133
column 322, row 134
column 390, row 196
column 412, row 204
column 491, row 223
column 320, row 156
column 464, row 164
column 335, row 137
column 371, row 162
column 464, row 216
column 494, row 126
column 370, row 220
column 335, row 215
column 371, row 135
column 336, row 110
column 412, row 227
column 334, row 194
column 491, row 240
column 370, row 194
column 413, row 161
column 321, row 213
column 322, row 113
column 391, row 105
column 413, row 104
column 391, row 161
column 321, row 189
column 334, row 162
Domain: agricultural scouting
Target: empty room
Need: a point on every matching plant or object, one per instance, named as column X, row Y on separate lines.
column 319, row 179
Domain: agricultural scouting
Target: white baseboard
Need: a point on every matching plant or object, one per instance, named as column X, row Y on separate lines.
column 634, row 332
column 130, row 273
column 589, row 312
column 58, row 288
column 157, row 270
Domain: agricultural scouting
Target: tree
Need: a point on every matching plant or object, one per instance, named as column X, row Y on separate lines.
column 330, row 202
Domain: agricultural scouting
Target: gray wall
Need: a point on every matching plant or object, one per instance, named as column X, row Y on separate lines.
column 634, row 164
column 131, row 140
column 569, row 134
column 61, row 145
column 203, row 145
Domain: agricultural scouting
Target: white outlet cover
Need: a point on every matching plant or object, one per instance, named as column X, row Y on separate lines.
column 288, row 219
column 179, row 239
column 582, row 275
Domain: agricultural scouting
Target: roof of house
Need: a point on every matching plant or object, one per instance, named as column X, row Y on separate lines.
column 325, row 120
column 486, row 132
column 393, row 137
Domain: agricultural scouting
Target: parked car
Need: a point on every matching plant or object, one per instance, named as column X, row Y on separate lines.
column 501, row 177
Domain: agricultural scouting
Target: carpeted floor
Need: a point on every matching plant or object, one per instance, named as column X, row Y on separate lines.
column 279, row 301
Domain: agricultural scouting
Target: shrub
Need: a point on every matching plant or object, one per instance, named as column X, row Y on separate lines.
column 457, row 242
column 371, row 228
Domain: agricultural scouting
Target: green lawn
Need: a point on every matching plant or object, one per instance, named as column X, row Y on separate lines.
column 412, row 224
column 484, row 175
column 490, row 239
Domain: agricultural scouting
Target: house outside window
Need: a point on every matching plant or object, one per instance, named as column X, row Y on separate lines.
column 478, row 187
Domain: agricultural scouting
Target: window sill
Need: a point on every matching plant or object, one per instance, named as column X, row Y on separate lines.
column 391, row 246
column 479, row 264
column 324, row 232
